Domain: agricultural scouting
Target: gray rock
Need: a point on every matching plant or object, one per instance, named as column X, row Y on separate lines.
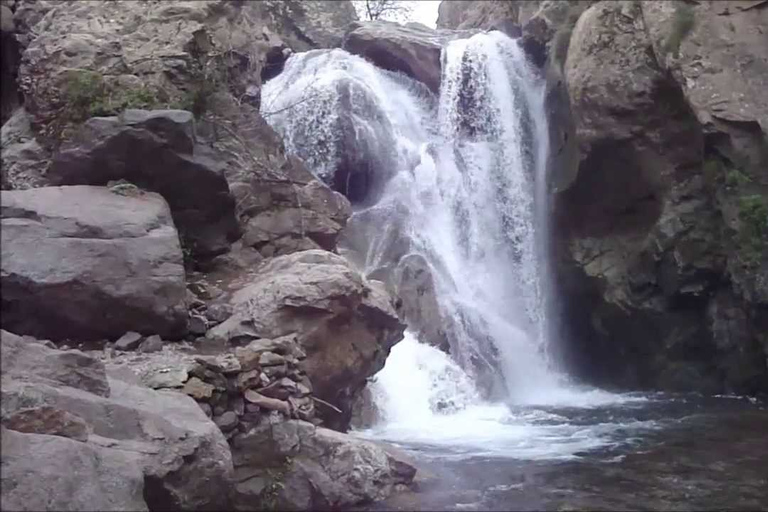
column 166, row 378
column 326, row 467
column 227, row 421
column 24, row 160
column 271, row 359
column 207, row 409
column 411, row 50
column 197, row 325
column 227, row 364
column 217, row 313
column 249, row 379
column 287, row 296
column 137, row 436
column 129, row 341
column 154, row 150
column 152, row 344
column 84, row 263
column 68, row 368
column 76, row 475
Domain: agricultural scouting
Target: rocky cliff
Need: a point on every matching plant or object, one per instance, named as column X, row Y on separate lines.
column 659, row 150
column 177, row 327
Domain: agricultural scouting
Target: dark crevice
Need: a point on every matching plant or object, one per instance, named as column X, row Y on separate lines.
column 157, row 497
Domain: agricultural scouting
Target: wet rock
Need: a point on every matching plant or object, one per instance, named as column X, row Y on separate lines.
column 48, row 420
column 152, row 344
column 84, row 263
column 409, row 50
column 129, row 341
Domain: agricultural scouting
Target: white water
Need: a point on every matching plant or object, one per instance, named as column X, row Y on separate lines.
column 462, row 178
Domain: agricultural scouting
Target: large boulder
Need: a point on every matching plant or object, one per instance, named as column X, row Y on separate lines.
column 155, row 150
column 142, row 449
column 413, row 50
column 84, row 262
column 312, row 468
column 345, row 324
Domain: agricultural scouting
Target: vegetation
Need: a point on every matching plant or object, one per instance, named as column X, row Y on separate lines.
column 735, row 178
column 753, row 231
column 87, row 94
column 271, row 493
column 124, row 188
column 683, row 21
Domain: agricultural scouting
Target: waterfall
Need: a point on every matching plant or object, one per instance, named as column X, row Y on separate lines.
column 459, row 182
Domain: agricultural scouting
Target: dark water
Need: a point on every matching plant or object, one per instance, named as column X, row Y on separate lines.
column 692, row 453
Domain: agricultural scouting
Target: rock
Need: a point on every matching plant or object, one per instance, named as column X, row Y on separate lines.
column 238, row 406
column 129, row 341
column 68, row 368
column 227, row 421
column 271, row 359
column 274, row 372
column 325, row 468
column 48, row 420
column 227, row 364
column 271, row 404
column 280, row 389
column 166, row 378
column 76, row 475
column 148, row 449
column 197, row 325
column 207, row 409
column 647, row 262
column 198, row 389
column 152, row 344
column 217, row 313
column 409, row 50
column 24, row 161
column 345, row 324
column 249, row 379
column 83, row 263
column 154, row 150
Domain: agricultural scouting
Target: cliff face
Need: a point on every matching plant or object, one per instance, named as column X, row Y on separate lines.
column 658, row 127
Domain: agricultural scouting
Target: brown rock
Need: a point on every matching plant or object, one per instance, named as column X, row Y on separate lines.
column 198, row 389
column 268, row 403
column 48, row 420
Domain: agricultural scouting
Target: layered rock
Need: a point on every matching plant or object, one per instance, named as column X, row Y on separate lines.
column 345, row 324
column 155, row 151
column 137, row 449
column 85, row 263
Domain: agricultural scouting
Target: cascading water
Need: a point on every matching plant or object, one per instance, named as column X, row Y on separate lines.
column 459, row 182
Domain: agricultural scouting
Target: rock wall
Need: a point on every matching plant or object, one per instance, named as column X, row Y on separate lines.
column 657, row 129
